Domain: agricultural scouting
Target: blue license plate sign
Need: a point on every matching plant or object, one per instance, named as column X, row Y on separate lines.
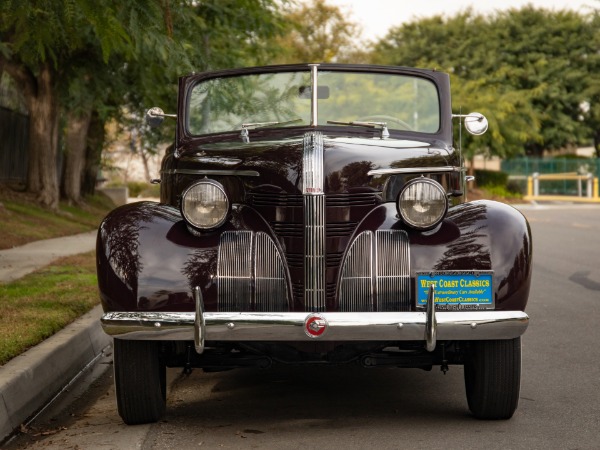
column 459, row 290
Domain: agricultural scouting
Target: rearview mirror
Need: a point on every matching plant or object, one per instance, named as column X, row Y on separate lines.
column 306, row 92
column 155, row 116
column 476, row 123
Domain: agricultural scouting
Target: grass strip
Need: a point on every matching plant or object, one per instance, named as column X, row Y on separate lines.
column 38, row 305
column 23, row 221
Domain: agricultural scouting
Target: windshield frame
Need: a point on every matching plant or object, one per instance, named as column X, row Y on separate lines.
column 440, row 81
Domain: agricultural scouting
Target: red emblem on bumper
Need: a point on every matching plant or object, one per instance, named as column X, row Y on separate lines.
column 315, row 325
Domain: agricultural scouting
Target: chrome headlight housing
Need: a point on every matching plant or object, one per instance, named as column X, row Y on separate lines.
column 205, row 205
column 422, row 203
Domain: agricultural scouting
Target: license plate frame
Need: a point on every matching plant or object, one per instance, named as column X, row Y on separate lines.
column 460, row 290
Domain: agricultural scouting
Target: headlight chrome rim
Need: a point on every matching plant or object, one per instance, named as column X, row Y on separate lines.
column 410, row 199
column 208, row 188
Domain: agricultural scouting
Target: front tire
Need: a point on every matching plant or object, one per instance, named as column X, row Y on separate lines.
column 140, row 381
column 493, row 378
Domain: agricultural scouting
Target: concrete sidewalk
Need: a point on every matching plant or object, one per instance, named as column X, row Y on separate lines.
column 29, row 381
column 19, row 261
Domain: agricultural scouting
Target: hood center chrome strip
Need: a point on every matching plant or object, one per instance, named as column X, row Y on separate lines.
column 314, row 222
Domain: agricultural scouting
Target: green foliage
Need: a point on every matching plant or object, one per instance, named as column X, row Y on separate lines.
column 204, row 35
column 39, row 30
column 528, row 70
column 317, row 33
column 504, row 192
column 114, row 59
column 486, row 178
column 141, row 189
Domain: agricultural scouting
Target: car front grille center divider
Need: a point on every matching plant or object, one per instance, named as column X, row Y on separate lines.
column 314, row 222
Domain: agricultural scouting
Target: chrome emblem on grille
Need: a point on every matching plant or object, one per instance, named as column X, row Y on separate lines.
column 315, row 325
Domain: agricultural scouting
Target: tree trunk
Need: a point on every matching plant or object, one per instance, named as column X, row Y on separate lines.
column 145, row 158
column 42, row 176
column 597, row 142
column 93, row 154
column 76, row 140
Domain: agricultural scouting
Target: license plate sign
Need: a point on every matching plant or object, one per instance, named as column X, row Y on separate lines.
column 459, row 290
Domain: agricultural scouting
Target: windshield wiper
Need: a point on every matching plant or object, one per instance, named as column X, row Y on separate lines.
column 382, row 125
column 254, row 125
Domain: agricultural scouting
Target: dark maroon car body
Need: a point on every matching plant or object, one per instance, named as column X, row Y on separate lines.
column 172, row 297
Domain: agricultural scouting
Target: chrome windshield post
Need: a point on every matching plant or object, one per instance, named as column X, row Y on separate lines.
column 314, row 92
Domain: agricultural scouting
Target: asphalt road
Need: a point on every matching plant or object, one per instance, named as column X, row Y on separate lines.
column 352, row 408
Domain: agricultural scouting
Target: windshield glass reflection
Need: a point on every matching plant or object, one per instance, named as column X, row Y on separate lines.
column 283, row 99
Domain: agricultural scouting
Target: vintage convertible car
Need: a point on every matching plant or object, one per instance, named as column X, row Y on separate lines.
column 315, row 213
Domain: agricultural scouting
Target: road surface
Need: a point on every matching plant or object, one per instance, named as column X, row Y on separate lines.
column 354, row 408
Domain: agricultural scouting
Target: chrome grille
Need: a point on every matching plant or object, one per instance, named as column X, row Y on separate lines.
column 312, row 164
column 276, row 199
column 387, row 286
column 285, row 216
column 356, row 281
column 392, row 270
column 314, row 222
column 354, row 199
column 314, row 252
column 234, row 271
column 270, row 284
column 251, row 274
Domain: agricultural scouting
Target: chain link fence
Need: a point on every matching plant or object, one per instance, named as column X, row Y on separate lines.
column 519, row 169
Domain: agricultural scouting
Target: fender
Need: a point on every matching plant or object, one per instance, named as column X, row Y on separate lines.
column 148, row 260
column 479, row 235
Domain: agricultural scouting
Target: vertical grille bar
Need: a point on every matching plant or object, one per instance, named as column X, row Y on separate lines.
column 392, row 270
column 314, row 222
column 375, row 274
column 234, row 271
column 270, row 281
column 314, row 253
column 356, row 281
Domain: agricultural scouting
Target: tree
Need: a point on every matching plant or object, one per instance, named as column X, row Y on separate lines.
column 92, row 59
column 212, row 34
column 318, row 32
column 98, row 89
column 590, row 107
column 40, row 38
column 530, row 67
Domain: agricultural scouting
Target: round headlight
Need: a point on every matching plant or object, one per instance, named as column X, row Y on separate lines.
column 422, row 204
column 205, row 205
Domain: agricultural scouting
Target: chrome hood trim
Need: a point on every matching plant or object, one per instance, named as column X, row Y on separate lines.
column 314, row 222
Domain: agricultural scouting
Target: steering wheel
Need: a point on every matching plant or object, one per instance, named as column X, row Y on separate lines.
column 387, row 120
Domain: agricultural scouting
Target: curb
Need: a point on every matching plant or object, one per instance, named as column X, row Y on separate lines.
column 29, row 381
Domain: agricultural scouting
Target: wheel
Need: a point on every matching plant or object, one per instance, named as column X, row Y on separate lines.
column 140, row 381
column 493, row 378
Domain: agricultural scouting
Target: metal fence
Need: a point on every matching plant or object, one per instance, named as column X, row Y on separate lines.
column 14, row 137
column 520, row 169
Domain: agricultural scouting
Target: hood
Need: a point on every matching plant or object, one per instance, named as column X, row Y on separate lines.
column 277, row 165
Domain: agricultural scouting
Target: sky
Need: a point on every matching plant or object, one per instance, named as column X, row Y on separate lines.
column 377, row 16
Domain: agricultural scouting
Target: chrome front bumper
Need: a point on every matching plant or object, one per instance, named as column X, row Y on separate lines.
column 428, row 326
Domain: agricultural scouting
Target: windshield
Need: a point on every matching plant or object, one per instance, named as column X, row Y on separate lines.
column 283, row 99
